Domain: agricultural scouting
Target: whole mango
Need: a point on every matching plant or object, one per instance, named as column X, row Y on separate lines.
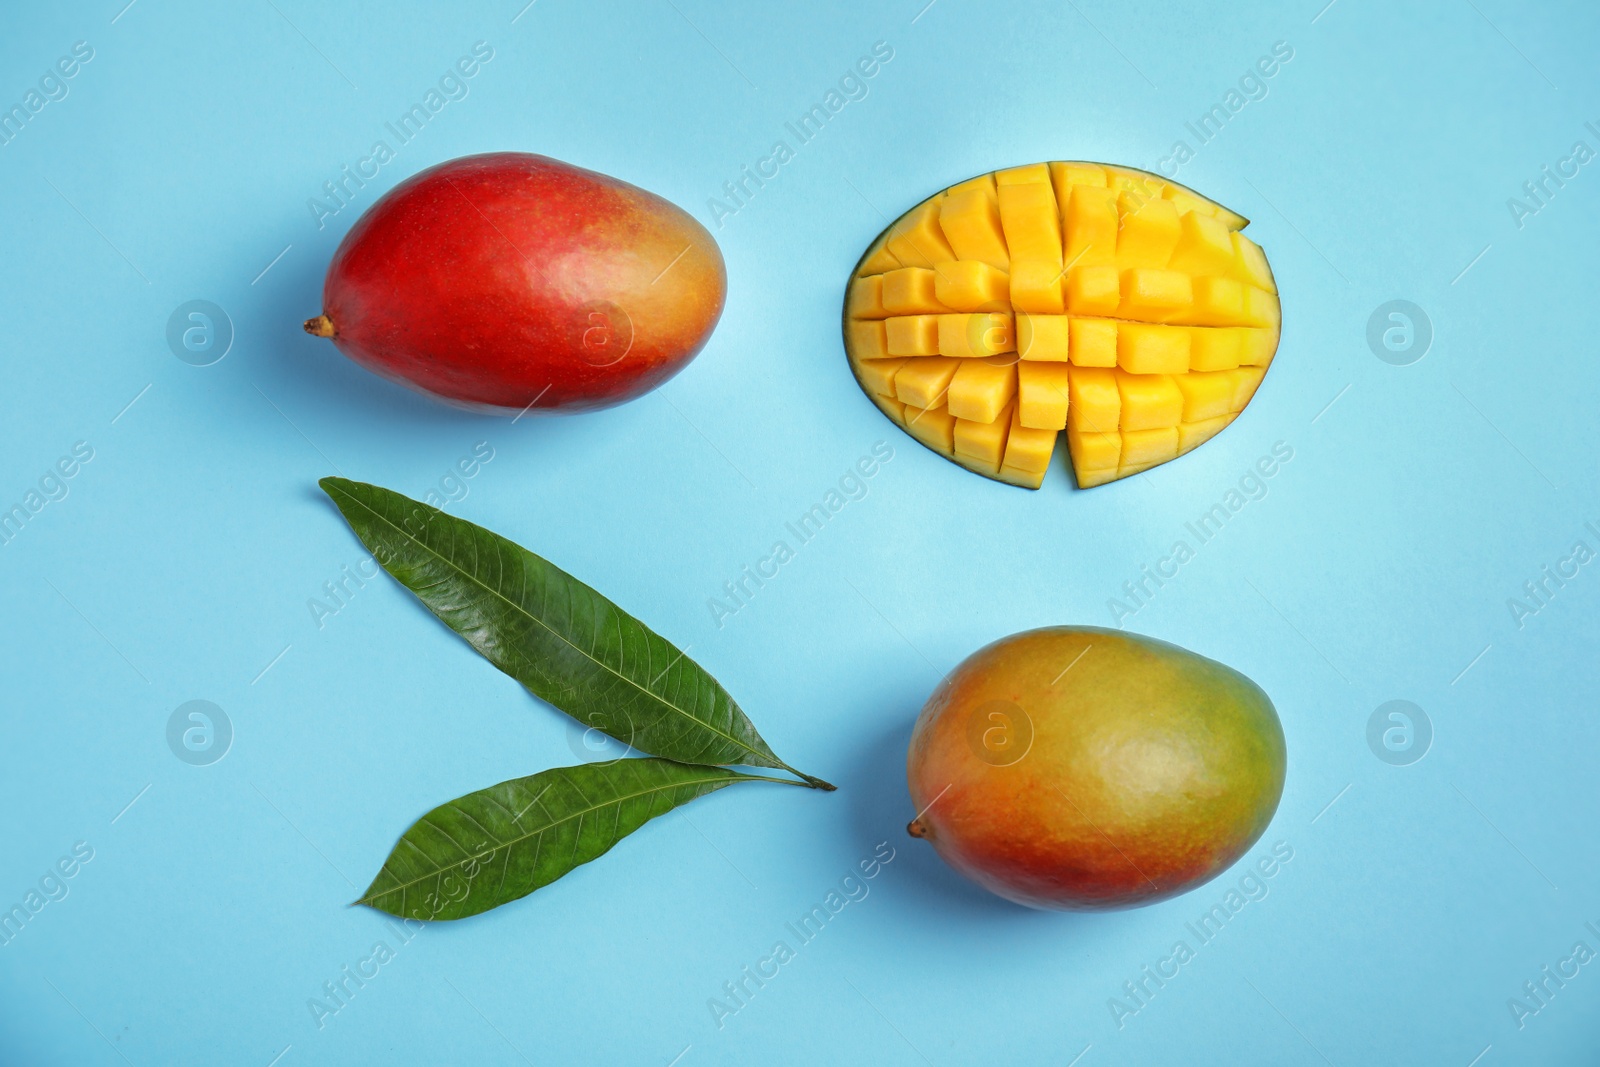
column 1084, row 768
column 511, row 282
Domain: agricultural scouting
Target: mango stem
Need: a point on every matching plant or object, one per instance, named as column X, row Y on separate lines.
column 321, row 326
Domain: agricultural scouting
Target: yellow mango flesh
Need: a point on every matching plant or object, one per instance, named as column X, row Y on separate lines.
column 1121, row 308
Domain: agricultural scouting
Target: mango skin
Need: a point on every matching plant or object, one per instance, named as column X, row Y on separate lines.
column 511, row 282
column 1150, row 769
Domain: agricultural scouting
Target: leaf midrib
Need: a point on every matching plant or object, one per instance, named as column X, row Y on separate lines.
column 730, row 776
column 556, row 633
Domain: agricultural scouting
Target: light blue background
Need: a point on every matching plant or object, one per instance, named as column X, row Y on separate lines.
column 1377, row 567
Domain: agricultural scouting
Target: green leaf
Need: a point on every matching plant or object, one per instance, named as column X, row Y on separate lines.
column 501, row 843
column 562, row 640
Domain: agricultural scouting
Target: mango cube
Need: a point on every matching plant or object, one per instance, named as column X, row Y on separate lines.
column 974, row 335
column 1146, row 448
column 1261, row 308
column 1245, row 382
column 1028, row 449
column 1093, row 290
column 921, row 383
column 981, row 389
column 1205, row 246
column 970, row 219
column 934, row 427
column 865, row 298
column 1146, row 348
column 1216, row 347
column 1036, row 285
column 1250, row 264
column 1218, row 302
column 1093, row 449
column 1155, row 295
column 1095, row 401
column 1091, row 226
column 916, row 240
column 1192, row 435
column 1031, row 222
column 1206, row 395
column 892, row 408
column 1045, row 338
column 1149, row 231
column 1257, row 346
column 910, row 291
column 877, row 375
column 867, row 339
column 1043, row 393
column 981, row 443
column 1148, row 401
column 877, row 260
column 1094, row 342
column 912, row 335
column 970, row 285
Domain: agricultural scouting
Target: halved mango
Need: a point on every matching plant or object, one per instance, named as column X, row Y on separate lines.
column 1105, row 301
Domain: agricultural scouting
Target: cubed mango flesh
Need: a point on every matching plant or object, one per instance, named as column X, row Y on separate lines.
column 910, row 291
column 934, row 427
column 1148, row 401
column 1206, row 394
column 1145, row 448
column 867, row 339
column 922, row 383
column 1245, row 381
column 1095, row 401
column 877, row 375
column 1044, row 338
column 1148, row 348
column 1192, row 435
column 1037, row 286
column 970, row 219
column 877, row 260
column 1028, row 448
column 1093, row 342
column 1149, row 230
column 981, row 389
column 1090, row 223
column 982, row 442
column 1215, row 348
column 865, row 299
column 1043, row 393
column 1093, row 449
column 1093, row 290
column 912, row 335
column 1125, row 309
column 892, row 408
column 1031, row 222
column 1204, row 248
column 1155, row 295
column 978, row 334
column 916, row 239
column 1250, row 263
column 970, row 285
